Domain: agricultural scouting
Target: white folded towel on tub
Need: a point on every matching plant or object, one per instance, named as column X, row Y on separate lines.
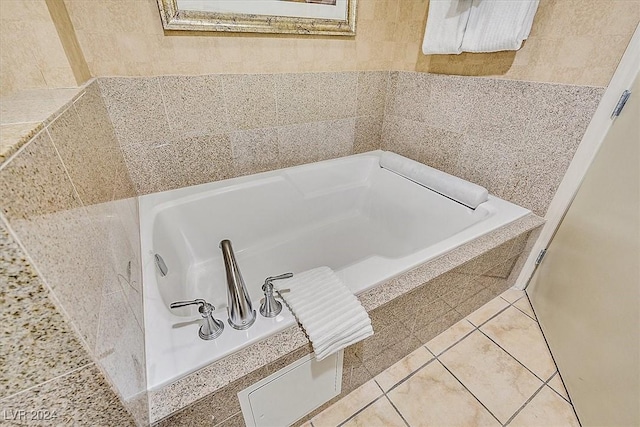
column 465, row 192
column 330, row 314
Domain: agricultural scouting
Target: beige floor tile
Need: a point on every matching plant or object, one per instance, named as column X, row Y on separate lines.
column 449, row 337
column 307, row 424
column 433, row 397
column 521, row 337
column 488, row 310
column 501, row 383
column 379, row 414
column 546, row 409
column 557, row 384
column 348, row 405
column 524, row 305
column 512, row 295
column 402, row 369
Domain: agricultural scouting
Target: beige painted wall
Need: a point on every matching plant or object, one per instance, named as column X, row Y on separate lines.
column 31, row 55
column 125, row 37
column 573, row 41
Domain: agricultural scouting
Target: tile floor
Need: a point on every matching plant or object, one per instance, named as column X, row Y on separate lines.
column 491, row 369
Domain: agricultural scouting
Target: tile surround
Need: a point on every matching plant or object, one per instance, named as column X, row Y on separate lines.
column 60, row 191
column 392, row 309
column 228, row 151
column 515, row 138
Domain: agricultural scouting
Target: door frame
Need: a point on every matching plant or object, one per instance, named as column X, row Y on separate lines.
column 597, row 130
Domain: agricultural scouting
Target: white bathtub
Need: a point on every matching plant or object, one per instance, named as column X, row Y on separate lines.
column 366, row 223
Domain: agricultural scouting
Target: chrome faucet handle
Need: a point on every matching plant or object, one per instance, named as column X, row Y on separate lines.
column 270, row 306
column 212, row 327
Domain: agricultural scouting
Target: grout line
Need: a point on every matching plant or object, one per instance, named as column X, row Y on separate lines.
column 397, row 410
column 359, row 411
column 465, row 387
column 557, row 374
column 403, row 380
column 524, row 405
column 4, row 399
column 164, row 104
column 512, row 356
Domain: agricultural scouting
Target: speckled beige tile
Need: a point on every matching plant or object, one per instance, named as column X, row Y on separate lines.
column 250, row 100
column 372, row 90
column 450, row 102
column 449, row 403
column 89, row 158
column 402, row 136
column 136, row 109
column 14, row 136
column 153, row 168
column 368, row 134
column 494, row 377
column 297, row 98
column 462, row 289
column 189, row 389
column 521, row 337
column 422, row 314
column 120, row 346
column 202, row 159
column 487, row 311
column 491, row 168
column 195, row 105
column 388, row 355
column 476, row 301
column 35, row 183
column 499, row 108
column 80, row 397
column 336, row 138
column 437, row 326
column 402, row 369
column 558, row 386
column 37, row 343
column 455, row 333
column 348, row 405
column 255, row 150
column 524, row 306
column 222, row 404
column 298, row 144
column 439, row 148
column 336, row 95
column 546, row 409
column 381, row 413
column 408, row 95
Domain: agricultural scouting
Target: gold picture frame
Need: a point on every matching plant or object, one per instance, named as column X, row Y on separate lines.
column 175, row 19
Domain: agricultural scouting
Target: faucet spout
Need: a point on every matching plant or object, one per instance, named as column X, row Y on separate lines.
column 241, row 312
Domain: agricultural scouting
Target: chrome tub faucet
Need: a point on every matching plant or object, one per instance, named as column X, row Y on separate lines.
column 241, row 312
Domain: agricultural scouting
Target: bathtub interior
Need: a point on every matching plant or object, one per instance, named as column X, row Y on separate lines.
column 336, row 214
column 366, row 223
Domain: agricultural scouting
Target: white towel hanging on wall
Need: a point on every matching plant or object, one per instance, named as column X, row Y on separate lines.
column 446, row 23
column 455, row 26
column 496, row 25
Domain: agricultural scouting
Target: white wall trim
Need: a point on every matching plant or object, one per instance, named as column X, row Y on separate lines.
column 594, row 136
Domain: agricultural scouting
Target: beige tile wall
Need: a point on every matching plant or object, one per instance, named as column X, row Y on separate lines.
column 125, row 38
column 177, row 131
column 31, row 55
column 515, row 138
column 572, row 41
column 68, row 197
